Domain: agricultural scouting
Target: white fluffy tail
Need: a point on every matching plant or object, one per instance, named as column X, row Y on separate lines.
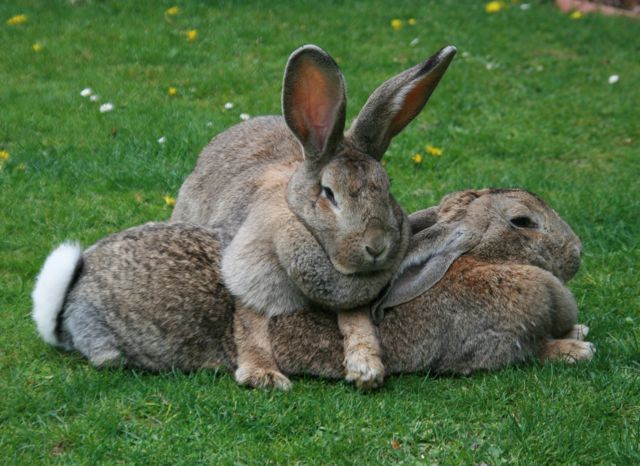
column 51, row 289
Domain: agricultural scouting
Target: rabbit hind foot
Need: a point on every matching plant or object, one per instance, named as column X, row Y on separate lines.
column 568, row 350
column 578, row 332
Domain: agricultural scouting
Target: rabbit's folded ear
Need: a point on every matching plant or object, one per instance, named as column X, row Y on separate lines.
column 314, row 100
column 423, row 219
column 396, row 102
column 431, row 253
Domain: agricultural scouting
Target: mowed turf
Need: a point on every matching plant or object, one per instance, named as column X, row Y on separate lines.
column 526, row 103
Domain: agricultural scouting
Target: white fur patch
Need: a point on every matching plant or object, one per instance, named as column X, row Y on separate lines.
column 51, row 288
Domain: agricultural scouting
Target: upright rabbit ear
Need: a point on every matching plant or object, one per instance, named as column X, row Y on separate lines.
column 397, row 102
column 431, row 253
column 314, row 100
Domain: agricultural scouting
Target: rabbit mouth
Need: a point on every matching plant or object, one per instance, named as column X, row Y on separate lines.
column 343, row 270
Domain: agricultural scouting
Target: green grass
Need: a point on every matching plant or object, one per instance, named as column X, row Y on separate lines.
column 543, row 118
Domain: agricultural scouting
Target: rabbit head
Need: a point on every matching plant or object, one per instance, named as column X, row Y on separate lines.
column 341, row 191
column 492, row 225
column 520, row 228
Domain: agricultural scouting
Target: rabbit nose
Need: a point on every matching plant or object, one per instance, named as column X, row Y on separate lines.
column 376, row 247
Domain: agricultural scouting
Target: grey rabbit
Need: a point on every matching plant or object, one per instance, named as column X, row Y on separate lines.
column 303, row 211
column 482, row 287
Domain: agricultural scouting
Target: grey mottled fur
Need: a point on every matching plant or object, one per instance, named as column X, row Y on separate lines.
column 259, row 186
column 304, row 211
column 152, row 297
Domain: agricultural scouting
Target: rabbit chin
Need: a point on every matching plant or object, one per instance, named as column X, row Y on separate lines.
column 363, row 268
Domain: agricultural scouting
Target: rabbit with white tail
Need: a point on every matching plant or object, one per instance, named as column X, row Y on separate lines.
column 482, row 287
column 303, row 211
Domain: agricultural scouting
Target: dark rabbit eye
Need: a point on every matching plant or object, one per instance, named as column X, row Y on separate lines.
column 329, row 195
column 523, row 222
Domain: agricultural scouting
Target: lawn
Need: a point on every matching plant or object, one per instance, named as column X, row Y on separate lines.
column 527, row 102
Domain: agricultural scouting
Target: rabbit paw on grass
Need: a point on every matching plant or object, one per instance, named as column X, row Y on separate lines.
column 363, row 367
column 258, row 377
column 569, row 350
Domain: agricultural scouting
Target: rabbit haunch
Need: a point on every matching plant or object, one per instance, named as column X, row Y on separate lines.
column 152, row 297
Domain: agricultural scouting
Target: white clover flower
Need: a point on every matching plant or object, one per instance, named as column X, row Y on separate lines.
column 106, row 107
column 244, row 116
column 209, row 124
column 525, row 6
column 94, row 98
column 162, row 140
column 491, row 66
column 614, row 78
column 86, row 92
column 228, row 105
column 414, row 42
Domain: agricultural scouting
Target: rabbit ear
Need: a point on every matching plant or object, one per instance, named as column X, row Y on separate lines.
column 314, row 100
column 396, row 102
column 431, row 253
column 423, row 219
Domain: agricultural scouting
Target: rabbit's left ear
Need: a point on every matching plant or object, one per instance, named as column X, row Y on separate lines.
column 431, row 253
column 397, row 102
column 423, row 219
column 314, row 100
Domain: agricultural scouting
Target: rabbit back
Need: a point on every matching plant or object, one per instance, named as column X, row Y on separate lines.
column 154, row 295
column 224, row 184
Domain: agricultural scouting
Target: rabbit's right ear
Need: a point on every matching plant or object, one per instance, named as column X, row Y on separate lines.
column 397, row 102
column 314, row 100
column 431, row 253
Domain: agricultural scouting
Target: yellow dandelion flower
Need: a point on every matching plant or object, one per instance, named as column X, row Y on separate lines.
column 411, row 21
column 396, row 24
column 494, row 7
column 37, row 47
column 17, row 20
column 172, row 91
column 192, row 35
column 417, row 159
column 4, row 155
column 168, row 200
column 576, row 15
column 173, row 11
column 434, row 151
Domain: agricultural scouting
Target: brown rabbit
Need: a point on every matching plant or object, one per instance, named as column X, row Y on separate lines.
column 303, row 211
column 482, row 288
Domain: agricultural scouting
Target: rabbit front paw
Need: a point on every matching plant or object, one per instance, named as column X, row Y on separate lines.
column 258, row 377
column 364, row 367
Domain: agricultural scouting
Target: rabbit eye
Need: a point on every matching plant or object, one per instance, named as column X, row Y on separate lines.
column 329, row 195
column 523, row 222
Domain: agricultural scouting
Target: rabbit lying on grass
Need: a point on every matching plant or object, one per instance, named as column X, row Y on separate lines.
column 482, row 287
column 303, row 211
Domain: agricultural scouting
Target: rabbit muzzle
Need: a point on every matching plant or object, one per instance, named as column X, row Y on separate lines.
column 379, row 248
column 571, row 263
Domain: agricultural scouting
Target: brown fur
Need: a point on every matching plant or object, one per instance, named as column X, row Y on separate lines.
column 153, row 295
